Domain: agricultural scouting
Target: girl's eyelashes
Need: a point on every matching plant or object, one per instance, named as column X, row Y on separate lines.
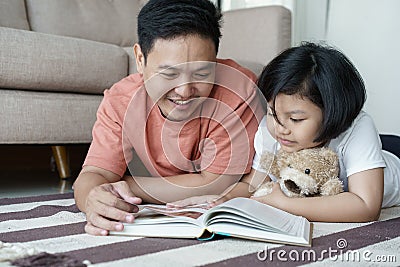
column 296, row 120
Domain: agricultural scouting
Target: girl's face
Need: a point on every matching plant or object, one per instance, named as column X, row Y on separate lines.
column 300, row 122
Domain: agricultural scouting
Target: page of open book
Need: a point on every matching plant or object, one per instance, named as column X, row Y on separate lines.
column 247, row 217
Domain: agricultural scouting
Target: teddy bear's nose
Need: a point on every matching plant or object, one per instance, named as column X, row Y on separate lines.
column 307, row 171
column 292, row 186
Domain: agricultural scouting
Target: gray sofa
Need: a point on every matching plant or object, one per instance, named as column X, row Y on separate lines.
column 58, row 56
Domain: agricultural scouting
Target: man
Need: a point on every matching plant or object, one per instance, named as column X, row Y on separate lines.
column 190, row 118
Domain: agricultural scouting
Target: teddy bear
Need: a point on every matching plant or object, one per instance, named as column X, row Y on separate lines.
column 305, row 173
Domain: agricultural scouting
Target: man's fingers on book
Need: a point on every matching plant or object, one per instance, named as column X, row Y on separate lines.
column 134, row 200
column 123, row 190
column 126, row 206
column 93, row 230
column 108, row 217
column 108, row 224
column 115, row 200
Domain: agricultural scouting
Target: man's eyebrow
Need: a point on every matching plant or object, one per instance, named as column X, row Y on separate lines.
column 169, row 67
column 205, row 66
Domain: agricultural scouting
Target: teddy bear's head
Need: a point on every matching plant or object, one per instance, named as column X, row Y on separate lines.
column 308, row 172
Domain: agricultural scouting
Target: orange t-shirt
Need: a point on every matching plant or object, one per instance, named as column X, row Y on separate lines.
column 217, row 138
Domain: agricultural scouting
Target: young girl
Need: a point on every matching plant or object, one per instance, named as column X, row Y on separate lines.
column 315, row 96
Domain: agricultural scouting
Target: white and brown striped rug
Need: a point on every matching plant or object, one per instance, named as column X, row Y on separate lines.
column 54, row 225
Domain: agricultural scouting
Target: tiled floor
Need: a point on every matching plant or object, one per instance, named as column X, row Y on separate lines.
column 26, row 170
column 31, row 183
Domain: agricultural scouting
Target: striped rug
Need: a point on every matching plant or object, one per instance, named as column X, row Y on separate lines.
column 53, row 224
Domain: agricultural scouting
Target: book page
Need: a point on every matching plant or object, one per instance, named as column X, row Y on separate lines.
column 194, row 211
column 255, row 215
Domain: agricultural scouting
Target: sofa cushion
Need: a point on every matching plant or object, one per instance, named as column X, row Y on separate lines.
column 266, row 30
column 46, row 118
column 132, row 60
column 37, row 61
column 109, row 21
column 13, row 14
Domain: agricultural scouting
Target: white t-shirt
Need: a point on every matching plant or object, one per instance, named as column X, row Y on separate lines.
column 359, row 148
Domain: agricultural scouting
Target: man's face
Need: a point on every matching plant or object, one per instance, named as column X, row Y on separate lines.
column 178, row 74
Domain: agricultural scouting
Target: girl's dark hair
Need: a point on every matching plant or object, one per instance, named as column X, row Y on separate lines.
column 322, row 74
column 168, row 19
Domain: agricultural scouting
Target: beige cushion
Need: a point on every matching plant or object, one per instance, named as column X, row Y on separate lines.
column 132, row 60
column 109, row 21
column 254, row 36
column 38, row 61
column 46, row 118
column 13, row 15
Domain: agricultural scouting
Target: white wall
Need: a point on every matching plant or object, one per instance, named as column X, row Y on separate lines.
column 367, row 31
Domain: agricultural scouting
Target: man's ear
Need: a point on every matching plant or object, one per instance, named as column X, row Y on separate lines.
column 140, row 60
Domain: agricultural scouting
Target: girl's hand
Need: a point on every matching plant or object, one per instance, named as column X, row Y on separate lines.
column 209, row 201
column 276, row 198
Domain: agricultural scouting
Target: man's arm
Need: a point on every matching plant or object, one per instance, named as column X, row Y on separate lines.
column 173, row 188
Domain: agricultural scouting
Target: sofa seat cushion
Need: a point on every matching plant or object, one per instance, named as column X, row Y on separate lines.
column 28, row 117
column 44, row 62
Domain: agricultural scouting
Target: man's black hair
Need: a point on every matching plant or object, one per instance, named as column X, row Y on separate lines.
column 168, row 19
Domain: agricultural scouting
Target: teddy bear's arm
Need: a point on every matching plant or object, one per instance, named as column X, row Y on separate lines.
column 332, row 187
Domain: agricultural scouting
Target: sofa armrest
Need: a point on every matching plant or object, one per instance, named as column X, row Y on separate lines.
column 254, row 36
column 37, row 61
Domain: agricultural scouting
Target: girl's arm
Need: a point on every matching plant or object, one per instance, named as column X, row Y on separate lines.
column 361, row 204
column 244, row 188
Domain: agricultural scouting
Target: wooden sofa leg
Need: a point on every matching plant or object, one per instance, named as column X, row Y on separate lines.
column 61, row 157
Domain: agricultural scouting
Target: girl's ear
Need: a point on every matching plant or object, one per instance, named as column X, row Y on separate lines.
column 139, row 57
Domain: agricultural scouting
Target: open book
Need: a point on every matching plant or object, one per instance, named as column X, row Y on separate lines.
column 239, row 217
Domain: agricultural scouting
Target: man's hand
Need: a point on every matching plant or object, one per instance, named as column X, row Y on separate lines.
column 107, row 206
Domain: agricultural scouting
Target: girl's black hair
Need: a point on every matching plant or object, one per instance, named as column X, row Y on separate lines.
column 168, row 19
column 322, row 74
